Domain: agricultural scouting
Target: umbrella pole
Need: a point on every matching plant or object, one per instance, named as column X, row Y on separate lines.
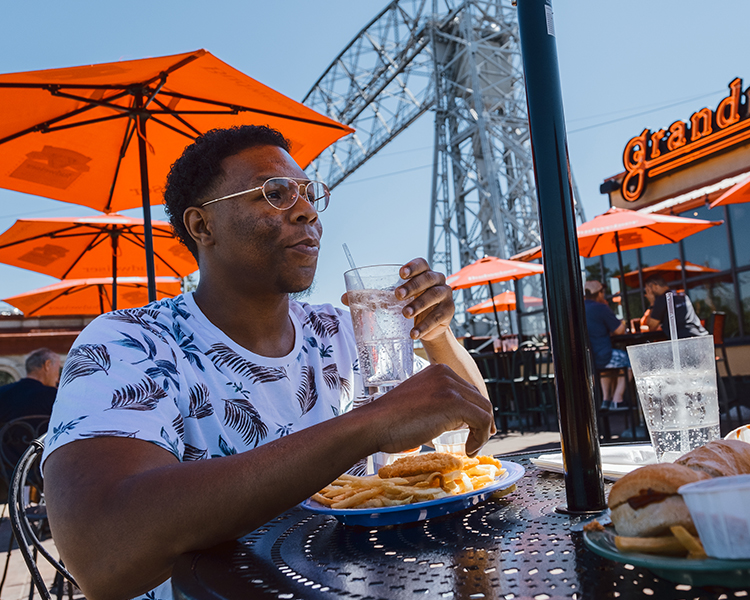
column 574, row 369
column 145, row 196
column 623, row 293
column 114, row 235
column 494, row 310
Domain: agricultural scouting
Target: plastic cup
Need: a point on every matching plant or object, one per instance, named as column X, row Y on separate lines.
column 385, row 349
column 718, row 508
column 679, row 401
column 451, row 441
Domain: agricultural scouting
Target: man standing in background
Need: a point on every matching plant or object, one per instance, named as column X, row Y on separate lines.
column 35, row 393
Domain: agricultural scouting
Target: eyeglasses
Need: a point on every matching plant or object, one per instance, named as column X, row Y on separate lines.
column 282, row 193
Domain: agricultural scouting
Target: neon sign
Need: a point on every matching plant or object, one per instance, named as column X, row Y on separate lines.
column 707, row 132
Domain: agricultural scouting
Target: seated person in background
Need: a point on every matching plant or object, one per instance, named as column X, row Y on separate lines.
column 602, row 324
column 35, row 393
column 196, row 419
column 688, row 323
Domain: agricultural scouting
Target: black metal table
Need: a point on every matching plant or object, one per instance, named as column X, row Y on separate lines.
column 513, row 547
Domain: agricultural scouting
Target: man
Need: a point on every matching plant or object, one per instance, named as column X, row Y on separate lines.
column 688, row 323
column 602, row 324
column 237, row 373
column 35, row 393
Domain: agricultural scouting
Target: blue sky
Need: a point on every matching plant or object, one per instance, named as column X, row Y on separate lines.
column 624, row 67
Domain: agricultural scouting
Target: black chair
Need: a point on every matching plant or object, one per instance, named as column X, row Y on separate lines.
column 534, row 383
column 26, row 519
column 497, row 371
column 15, row 438
column 728, row 399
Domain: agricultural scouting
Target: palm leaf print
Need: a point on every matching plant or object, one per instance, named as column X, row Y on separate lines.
column 193, row 453
column 58, row 430
column 200, row 407
column 179, row 426
column 240, row 414
column 144, row 395
column 333, row 380
column 170, row 444
column 165, row 369
column 109, row 433
column 226, row 449
column 178, row 308
column 307, row 394
column 323, row 324
column 140, row 317
column 85, row 360
column 223, row 355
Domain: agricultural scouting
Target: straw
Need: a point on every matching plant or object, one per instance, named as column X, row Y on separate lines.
column 673, row 331
column 353, row 266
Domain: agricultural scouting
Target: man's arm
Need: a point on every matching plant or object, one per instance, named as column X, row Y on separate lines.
column 122, row 510
column 432, row 309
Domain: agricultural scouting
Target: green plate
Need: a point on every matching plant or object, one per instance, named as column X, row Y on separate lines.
column 710, row 571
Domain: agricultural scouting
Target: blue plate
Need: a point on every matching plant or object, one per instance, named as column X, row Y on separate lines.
column 709, row 571
column 419, row 511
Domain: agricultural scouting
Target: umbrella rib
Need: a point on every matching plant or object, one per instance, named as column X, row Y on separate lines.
column 88, row 122
column 240, row 108
column 666, row 237
column 173, row 128
column 136, row 240
column 177, row 116
column 129, row 131
column 45, row 124
column 64, row 292
column 89, row 246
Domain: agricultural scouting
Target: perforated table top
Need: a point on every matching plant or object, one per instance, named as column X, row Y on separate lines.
column 513, row 547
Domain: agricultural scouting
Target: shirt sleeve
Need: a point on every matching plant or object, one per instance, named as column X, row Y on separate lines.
column 611, row 320
column 120, row 380
column 659, row 309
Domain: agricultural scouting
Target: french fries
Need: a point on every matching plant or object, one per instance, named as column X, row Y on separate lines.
column 681, row 542
column 349, row 491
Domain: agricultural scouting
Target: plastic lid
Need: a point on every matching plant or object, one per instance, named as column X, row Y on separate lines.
column 733, row 482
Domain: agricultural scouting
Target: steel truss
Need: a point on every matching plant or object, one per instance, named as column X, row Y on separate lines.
column 461, row 60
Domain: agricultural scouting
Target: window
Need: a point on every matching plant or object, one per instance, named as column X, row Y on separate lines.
column 740, row 215
column 716, row 295
column 709, row 248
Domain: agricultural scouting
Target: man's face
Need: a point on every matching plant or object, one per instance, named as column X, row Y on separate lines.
column 275, row 250
column 52, row 371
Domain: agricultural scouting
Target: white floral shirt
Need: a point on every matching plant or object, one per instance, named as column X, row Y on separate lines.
column 165, row 374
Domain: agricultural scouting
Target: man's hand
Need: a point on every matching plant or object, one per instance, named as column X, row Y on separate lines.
column 427, row 404
column 431, row 304
column 650, row 296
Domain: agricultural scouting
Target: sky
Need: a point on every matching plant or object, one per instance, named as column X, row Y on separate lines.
column 624, row 66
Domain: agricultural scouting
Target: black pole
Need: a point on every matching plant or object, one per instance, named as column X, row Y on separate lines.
column 623, row 293
column 146, row 198
column 574, row 376
column 494, row 310
column 113, row 236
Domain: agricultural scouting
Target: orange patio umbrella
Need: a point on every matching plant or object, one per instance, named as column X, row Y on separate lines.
column 88, row 297
column 670, row 270
column 621, row 229
column 489, row 270
column 737, row 194
column 505, row 301
column 85, row 247
column 79, row 134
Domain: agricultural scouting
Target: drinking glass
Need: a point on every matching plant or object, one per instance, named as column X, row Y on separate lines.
column 677, row 390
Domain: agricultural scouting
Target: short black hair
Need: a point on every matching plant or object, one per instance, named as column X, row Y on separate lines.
column 198, row 171
column 656, row 279
column 37, row 358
